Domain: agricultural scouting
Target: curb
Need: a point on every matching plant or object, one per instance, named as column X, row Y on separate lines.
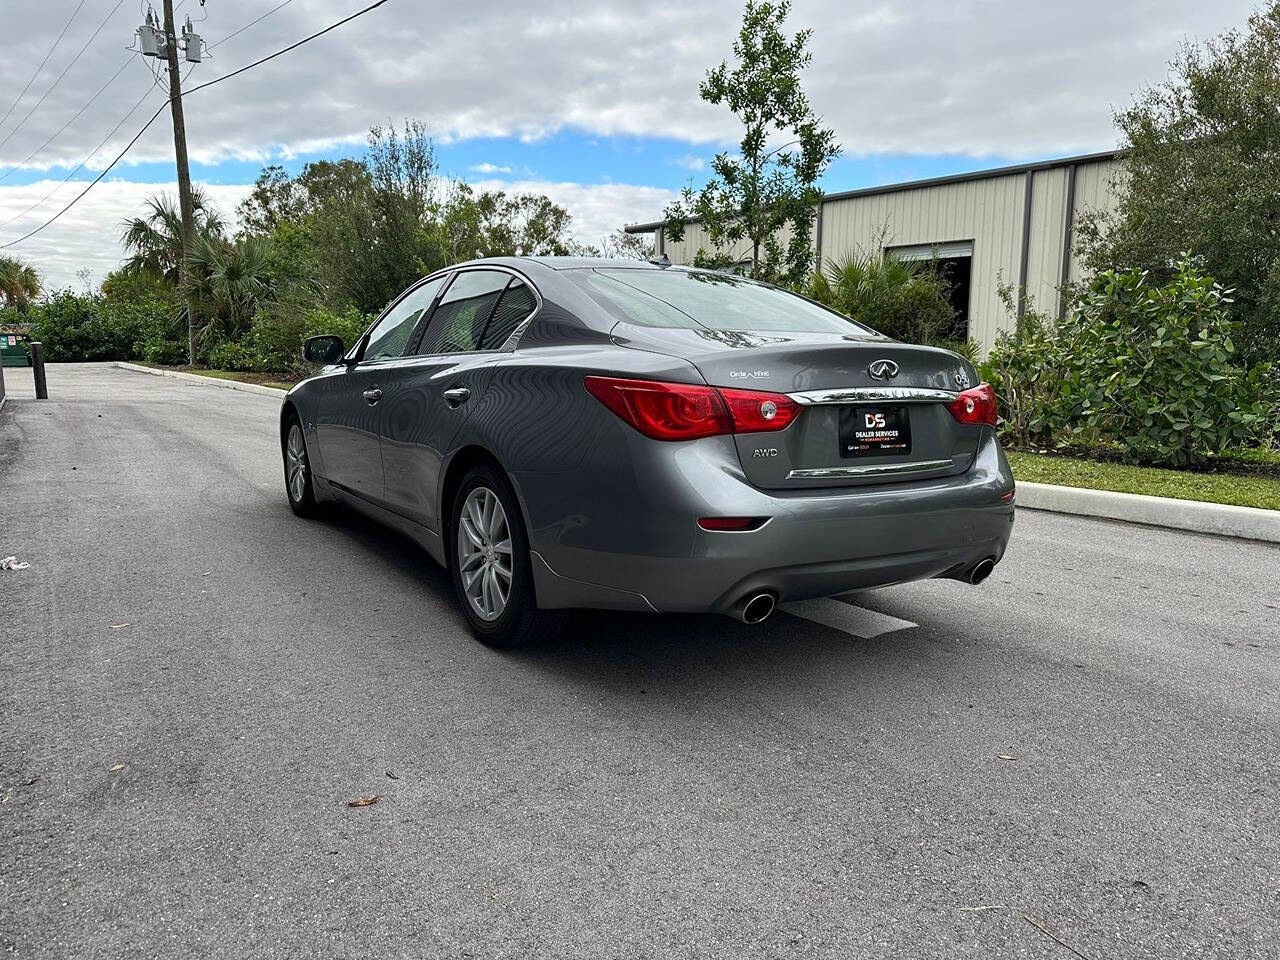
column 1220, row 519
column 207, row 381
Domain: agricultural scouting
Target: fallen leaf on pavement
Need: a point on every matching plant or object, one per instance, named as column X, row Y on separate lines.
column 118, row 766
column 363, row 801
column 118, row 626
column 1005, row 756
column 392, row 775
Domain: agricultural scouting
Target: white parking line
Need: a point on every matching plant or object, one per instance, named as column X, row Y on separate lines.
column 855, row 621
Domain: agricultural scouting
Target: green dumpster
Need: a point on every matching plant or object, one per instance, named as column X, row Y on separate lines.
column 13, row 350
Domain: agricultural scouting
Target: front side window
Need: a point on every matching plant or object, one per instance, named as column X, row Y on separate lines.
column 391, row 336
column 701, row 300
column 457, row 324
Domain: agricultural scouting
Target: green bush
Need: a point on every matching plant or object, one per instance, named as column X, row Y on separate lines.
column 274, row 342
column 161, row 350
column 237, row 355
column 76, row 327
column 1150, row 370
column 1025, row 366
column 904, row 299
column 1155, row 368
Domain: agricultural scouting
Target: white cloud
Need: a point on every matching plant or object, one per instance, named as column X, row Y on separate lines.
column 87, row 235
column 489, row 169
column 598, row 209
column 689, row 161
column 976, row 77
column 972, row 76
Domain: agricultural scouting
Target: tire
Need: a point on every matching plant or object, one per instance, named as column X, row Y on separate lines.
column 476, row 554
column 297, row 469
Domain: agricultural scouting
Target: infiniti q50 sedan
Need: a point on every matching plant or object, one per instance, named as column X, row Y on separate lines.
column 564, row 433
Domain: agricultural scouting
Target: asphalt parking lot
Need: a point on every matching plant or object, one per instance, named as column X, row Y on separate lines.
column 1081, row 757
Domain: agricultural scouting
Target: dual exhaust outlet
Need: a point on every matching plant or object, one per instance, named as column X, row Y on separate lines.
column 756, row 607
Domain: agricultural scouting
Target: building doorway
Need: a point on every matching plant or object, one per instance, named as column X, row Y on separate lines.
column 954, row 263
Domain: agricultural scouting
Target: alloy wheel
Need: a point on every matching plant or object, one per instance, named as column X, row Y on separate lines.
column 484, row 553
column 295, row 455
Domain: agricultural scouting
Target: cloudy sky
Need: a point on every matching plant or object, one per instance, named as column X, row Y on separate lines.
column 594, row 104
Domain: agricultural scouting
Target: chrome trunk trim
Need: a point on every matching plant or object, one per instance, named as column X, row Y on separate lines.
column 870, row 470
column 874, row 394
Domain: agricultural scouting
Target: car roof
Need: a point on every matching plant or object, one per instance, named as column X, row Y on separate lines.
column 589, row 263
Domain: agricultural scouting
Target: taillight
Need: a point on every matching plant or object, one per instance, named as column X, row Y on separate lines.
column 755, row 412
column 664, row 411
column 976, row 406
column 686, row 411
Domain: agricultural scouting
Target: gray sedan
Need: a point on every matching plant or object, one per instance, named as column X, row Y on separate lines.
column 569, row 433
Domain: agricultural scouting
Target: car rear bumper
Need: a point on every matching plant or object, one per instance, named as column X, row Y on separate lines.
column 640, row 548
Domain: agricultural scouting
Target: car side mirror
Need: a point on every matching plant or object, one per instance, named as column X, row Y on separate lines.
column 325, row 349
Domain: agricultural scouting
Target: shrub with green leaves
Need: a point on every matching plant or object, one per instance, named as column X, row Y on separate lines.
column 1155, row 368
column 1150, row 370
column 76, row 327
column 1025, row 367
column 904, row 299
column 237, row 355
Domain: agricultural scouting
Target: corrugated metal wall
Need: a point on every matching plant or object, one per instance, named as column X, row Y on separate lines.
column 988, row 211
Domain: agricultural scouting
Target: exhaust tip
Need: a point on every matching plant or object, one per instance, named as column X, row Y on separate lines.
column 981, row 570
column 753, row 608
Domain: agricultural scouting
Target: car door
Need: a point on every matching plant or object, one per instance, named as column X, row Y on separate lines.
column 437, row 389
column 347, row 411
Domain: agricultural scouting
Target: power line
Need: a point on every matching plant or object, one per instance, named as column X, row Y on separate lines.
column 42, row 63
column 57, row 132
column 71, row 63
column 136, row 137
column 89, row 103
column 251, row 24
column 92, row 153
column 284, row 50
column 128, row 60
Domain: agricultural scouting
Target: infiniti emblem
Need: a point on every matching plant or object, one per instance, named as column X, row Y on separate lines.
column 882, row 370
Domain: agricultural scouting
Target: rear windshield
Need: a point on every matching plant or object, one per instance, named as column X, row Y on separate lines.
column 711, row 301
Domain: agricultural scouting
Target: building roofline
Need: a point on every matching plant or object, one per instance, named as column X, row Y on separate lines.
column 1009, row 171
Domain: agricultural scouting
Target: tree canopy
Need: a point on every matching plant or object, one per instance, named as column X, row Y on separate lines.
column 1202, row 173
column 19, row 283
column 762, row 200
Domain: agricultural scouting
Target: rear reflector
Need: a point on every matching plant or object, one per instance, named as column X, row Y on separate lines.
column 976, row 406
column 686, row 411
column 731, row 523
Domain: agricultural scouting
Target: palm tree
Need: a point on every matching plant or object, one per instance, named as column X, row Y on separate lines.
column 154, row 241
column 19, row 283
column 230, row 282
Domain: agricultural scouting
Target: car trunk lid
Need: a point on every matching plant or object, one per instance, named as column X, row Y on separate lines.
column 872, row 410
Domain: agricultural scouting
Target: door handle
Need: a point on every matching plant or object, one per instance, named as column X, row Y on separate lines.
column 457, row 396
column 372, row 396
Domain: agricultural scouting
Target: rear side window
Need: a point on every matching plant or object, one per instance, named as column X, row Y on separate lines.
column 711, row 301
column 517, row 303
column 458, row 322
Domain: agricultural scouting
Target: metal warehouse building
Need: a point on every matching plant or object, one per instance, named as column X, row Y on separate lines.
column 1010, row 224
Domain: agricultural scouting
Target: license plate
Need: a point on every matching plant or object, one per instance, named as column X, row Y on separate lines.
column 874, row 431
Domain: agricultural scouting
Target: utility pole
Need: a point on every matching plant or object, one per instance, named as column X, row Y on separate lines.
column 184, row 174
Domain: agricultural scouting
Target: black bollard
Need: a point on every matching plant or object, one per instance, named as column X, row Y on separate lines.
column 37, row 370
